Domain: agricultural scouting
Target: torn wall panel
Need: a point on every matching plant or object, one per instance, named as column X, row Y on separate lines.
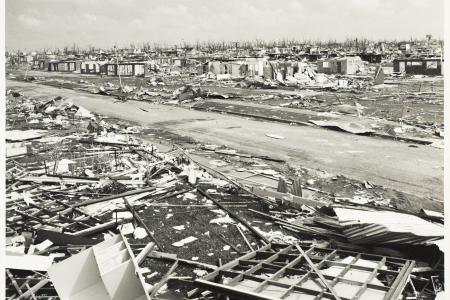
column 105, row 271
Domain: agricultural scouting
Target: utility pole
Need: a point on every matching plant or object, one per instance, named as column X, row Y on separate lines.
column 185, row 48
column 236, row 43
column 26, row 72
column 117, row 63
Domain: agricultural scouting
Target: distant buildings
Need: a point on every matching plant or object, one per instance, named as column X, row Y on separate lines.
column 91, row 67
column 274, row 60
column 126, row 69
column 419, row 66
column 340, row 65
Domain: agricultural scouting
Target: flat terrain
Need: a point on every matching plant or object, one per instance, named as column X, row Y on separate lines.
column 389, row 163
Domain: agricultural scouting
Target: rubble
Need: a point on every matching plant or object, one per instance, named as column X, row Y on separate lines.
column 94, row 208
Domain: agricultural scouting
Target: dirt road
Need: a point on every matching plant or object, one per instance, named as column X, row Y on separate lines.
column 390, row 163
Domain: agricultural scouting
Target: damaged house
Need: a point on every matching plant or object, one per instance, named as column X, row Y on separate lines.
column 63, row 66
column 91, row 67
column 341, row 65
column 127, row 69
column 422, row 66
column 43, row 64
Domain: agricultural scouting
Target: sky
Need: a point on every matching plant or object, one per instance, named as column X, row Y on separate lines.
column 42, row 24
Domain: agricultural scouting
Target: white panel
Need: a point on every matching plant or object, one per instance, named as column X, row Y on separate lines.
column 15, row 151
column 110, row 251
column 114, row 261
column 94, row 292
column 78, row 277
column 122, row 283
column 75, row 274
column 28, row 262
column 107, row 243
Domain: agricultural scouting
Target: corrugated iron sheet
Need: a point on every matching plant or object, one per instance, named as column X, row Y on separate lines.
column 349, row 127
column 385, row 227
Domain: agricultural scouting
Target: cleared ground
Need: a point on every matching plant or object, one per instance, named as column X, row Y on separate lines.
column 384, row 162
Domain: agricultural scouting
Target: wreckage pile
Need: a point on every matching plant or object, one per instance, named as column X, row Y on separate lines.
column 95, row 213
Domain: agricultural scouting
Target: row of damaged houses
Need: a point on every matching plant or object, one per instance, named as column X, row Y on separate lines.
column 370, row 51
column 268, row 65
column 338, row 65
column 127, row 68
column 241, row 67
column 237, row 67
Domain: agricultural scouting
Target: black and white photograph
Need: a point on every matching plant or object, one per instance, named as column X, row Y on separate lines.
column 224, row 150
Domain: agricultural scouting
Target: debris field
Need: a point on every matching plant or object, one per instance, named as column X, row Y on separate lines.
column 101, row 208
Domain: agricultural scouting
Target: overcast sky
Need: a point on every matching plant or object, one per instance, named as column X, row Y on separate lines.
column 39, row 24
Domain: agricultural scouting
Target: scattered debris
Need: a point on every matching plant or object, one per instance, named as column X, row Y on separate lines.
column 275, row 136
column 95, row 207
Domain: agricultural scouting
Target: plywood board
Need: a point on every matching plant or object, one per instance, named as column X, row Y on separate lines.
column 28, row 262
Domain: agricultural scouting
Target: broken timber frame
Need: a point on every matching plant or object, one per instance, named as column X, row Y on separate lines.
column 287, row 261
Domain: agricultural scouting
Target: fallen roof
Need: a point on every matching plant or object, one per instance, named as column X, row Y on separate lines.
column 349, row 127
column 386, row 227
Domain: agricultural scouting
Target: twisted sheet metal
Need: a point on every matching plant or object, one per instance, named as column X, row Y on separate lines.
column 385, row 227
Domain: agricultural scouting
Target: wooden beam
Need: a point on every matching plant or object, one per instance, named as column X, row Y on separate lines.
column 330, row 288
column 279, row 273
column 45, row 250
column 136, row 215
column 296, row 201
column 195, row 263
column 31, row 291
column 34, row 289
column 231, row 291
column 65, row 239
column 75, row 209
column 245, row 239
column 56, row 179
column 144, row 253
column 61, row 216
column 33, row 278
column 98, row 228
column 163, row 280
column 403, row 282
column 43, row 221
column 156, row 254
column 308, row 275
column 372, row 275
column 14, row 282
column 76, row 193
column 118, row 196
